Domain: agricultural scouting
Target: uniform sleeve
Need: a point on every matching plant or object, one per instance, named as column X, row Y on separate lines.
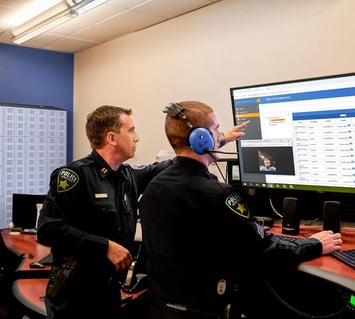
column 142, row 175
column 60, row 214
column 273, row 252
column 280, row 253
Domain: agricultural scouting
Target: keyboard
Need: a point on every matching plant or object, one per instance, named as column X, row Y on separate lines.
column 345, row 256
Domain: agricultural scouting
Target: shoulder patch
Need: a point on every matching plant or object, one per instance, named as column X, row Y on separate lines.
column 236, row 204
column 67, row 179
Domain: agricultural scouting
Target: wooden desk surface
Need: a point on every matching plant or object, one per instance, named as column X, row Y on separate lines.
column 31, row 283
column 29, row 291
column 327, row 267
column 32, row 251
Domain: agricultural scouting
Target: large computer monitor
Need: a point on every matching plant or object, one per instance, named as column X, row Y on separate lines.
column 301, row 134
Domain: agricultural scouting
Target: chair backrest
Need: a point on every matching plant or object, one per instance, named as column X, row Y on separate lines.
column 9, row 261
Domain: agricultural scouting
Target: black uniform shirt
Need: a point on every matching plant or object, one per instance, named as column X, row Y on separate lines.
column 198, row 231
column 88, row 203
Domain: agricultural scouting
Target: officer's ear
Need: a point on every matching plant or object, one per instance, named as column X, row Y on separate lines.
column 112, row 138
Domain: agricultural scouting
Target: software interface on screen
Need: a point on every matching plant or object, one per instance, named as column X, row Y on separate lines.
column 301, row 134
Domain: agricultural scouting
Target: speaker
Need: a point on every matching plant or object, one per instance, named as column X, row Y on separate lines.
column 290, row 216
column 200, row 139
column 331, row 216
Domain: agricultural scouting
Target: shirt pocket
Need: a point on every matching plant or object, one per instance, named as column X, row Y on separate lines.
column 105, row 219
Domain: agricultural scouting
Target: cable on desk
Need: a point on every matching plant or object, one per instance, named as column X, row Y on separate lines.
column 300, row 312
column 274, row 209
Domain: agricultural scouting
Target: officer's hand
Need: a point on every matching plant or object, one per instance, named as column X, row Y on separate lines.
column 235, row 132
column 330, row 241
column 119, row 255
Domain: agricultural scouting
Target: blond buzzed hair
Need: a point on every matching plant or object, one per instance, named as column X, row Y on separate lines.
column 176, row 129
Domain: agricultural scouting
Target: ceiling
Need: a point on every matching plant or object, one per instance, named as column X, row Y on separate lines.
column 110, row 20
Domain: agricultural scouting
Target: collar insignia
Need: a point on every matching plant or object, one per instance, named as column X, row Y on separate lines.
column 67, row 179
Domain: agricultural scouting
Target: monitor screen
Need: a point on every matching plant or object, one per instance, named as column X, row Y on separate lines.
column 301, row 134
column 233, row 172
column 24, row 210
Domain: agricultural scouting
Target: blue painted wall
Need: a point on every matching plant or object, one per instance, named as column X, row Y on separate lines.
column 38, row 77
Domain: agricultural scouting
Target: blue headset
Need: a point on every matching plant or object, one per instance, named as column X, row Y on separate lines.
column 200, row 139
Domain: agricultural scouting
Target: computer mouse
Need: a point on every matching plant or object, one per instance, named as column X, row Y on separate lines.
column 36, row 264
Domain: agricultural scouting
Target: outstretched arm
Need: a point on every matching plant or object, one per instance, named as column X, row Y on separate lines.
column 234, row 133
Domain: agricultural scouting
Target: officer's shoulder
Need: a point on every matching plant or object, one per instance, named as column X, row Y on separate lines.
column 159, row 166
column 236, row 204
column 75, row 166
column 86, row 161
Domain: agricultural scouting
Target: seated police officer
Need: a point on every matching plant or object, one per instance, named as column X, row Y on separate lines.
column 207, row 258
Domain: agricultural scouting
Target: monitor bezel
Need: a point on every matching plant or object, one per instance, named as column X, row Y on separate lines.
column 247, row 184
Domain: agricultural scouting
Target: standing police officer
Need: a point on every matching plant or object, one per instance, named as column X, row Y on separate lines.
column 89, row 219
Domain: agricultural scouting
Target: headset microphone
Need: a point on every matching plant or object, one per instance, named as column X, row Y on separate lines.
column 221, row 152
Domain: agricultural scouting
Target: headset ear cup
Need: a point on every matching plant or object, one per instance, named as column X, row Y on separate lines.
column 201, row 139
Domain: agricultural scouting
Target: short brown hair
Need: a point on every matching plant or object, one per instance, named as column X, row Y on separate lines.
column 177, row 131
column 104, row 119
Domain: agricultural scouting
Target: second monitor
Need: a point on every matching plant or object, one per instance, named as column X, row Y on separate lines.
column 24, row 210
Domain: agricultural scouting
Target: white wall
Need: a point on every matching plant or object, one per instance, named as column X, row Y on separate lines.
column 199, row 56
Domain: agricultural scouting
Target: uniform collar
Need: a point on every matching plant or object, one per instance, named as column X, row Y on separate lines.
column 196, row 165
column 104, row 168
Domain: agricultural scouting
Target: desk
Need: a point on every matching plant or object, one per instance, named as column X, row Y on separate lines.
column 29, row 291
column 30, row 284
column 327, row 267
column 27, row 245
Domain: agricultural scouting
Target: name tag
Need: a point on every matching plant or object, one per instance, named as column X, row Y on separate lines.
column 101, row 196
